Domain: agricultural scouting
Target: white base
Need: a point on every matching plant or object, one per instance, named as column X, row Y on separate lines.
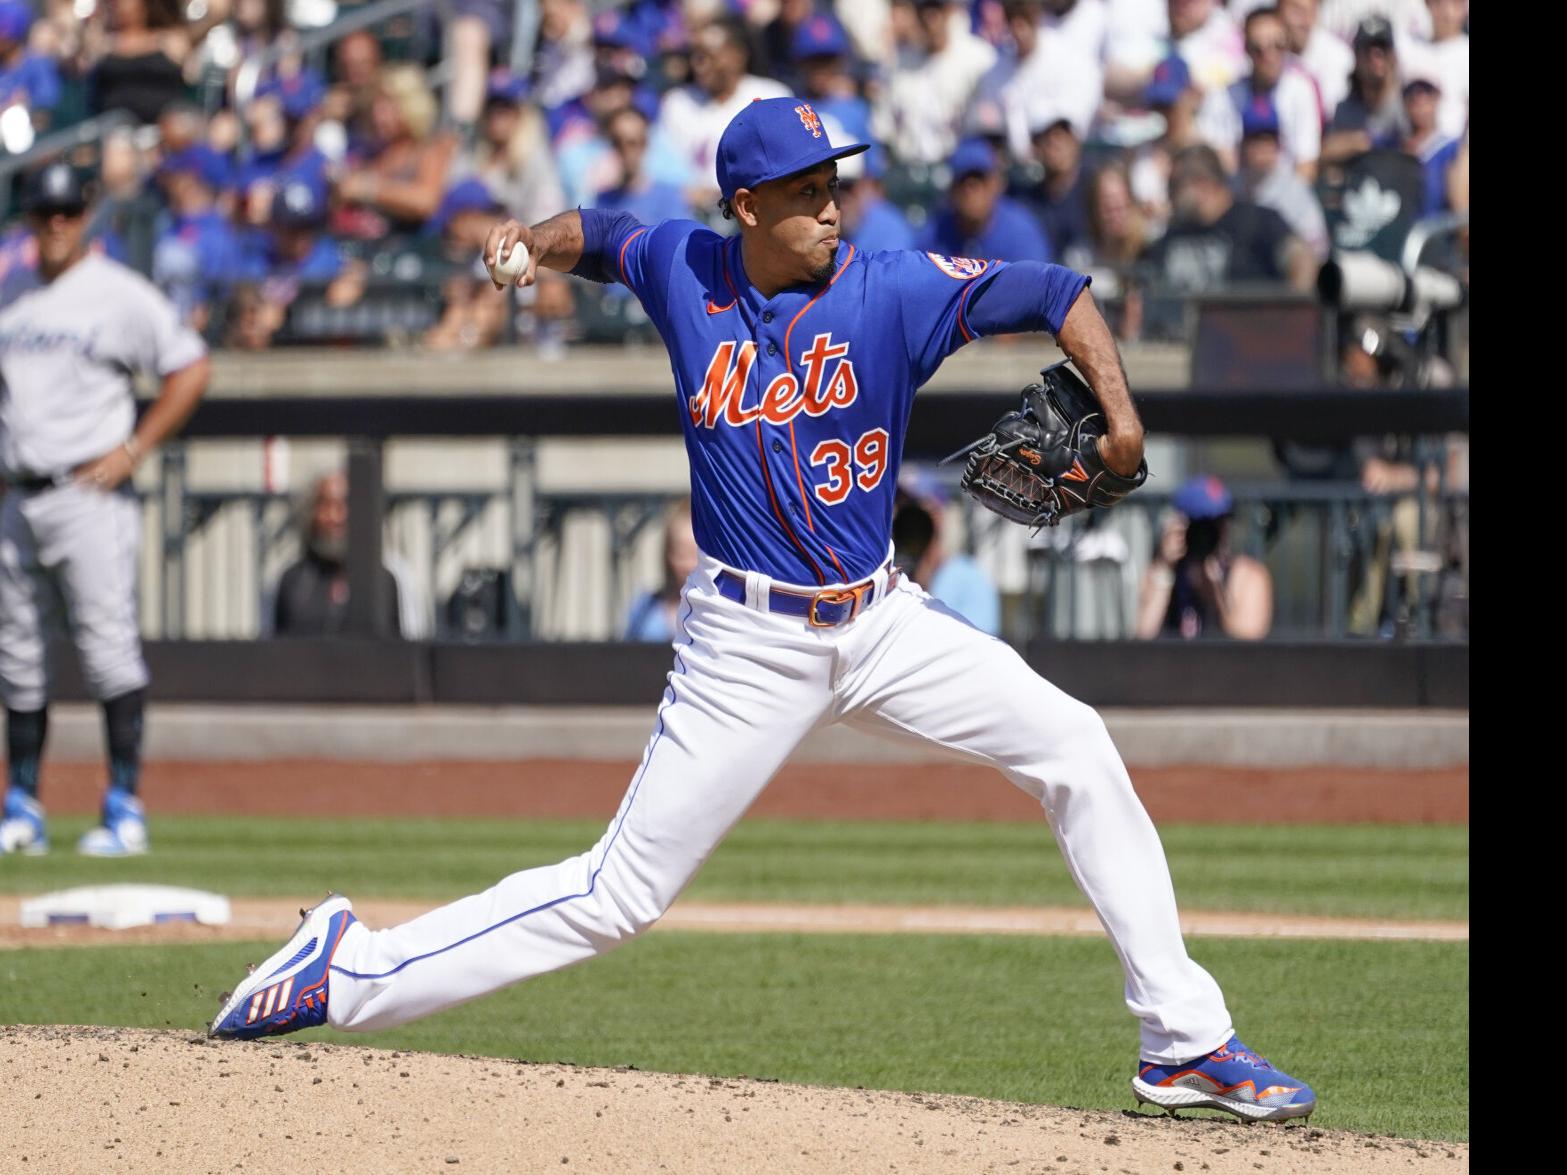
column 118, row 907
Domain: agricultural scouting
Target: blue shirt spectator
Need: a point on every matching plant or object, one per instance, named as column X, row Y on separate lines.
column 648, row 199
column 962, row 585
column 978, row 221
column 25, row 77
column 822, row 54
column 198, row 256
column 870, row 220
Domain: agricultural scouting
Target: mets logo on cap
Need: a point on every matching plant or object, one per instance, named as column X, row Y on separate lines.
column 961, row 268
column 809, row 120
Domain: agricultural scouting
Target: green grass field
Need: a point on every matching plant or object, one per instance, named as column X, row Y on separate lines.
column 1410, row 871
column 1380, row 1028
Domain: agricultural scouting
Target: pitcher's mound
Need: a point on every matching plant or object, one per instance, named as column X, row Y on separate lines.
column 94, row 1099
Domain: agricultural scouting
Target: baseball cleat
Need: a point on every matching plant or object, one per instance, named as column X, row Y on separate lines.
column 289, row 991
column 22, row 826
column 123, row 832
column 1231, row 1078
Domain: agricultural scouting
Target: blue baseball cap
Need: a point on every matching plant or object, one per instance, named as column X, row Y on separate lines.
column 16, row 20
column 1203, row 497
column 615, row 30
column 821, row 36
column 299, row 94
column 773, row 138
column 470, row 195
column 974, row 156
column 1171, row 78
column 505, row 86
column 1260, row 117
column 202, row 162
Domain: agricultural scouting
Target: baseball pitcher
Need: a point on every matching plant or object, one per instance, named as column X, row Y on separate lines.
column 795, row 359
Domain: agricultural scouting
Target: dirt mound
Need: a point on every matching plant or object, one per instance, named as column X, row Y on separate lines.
column 79, row 1099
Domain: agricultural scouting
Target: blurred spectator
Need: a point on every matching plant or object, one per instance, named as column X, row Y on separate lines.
column 357, row 72
column 1060, row 199
column 1326, row 58
column 918, row 522
column 198, row 257
column 1215, row 240
column 281, row 122
column 822, row 55
column 1041, row 76
column 1274, row 82
column 473, row 314
column 865, row 214
column 1372, row 112
column 311, row 597
column 1266, row 178
column 692, row 118
column 647, row 199
column 1143, row 32
column 292, row 250
column 1117, row 232
column 583, row 157
column 1444, row 59
column 1136, row 40
column 141, row 69
column 652, row 614
column 1171, row 94
column 1426, row 141
column 397, row 187
column 512, row 155
column 925, row 99
column 127, row 208
column 476, row 27
column 977, row 220
column 1195, row 585
column 563, row 61
column 776, row 55
column 26, row 78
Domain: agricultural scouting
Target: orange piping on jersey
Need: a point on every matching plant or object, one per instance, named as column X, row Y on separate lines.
column 794, row 449
column 968, row 335
column 761, row 459
column 623, row 249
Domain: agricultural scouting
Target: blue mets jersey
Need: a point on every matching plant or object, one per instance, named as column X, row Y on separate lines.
column 794, row 407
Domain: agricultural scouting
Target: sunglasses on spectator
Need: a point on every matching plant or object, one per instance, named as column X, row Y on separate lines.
column 1257, row 48
column 622, row 143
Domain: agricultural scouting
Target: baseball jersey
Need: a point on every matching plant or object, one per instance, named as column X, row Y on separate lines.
column 67, row 353
column 795, row 407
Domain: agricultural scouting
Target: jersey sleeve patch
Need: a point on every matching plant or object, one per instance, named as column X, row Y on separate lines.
column 961, row 268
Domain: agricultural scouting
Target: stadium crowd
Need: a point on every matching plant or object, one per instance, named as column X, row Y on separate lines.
column 1180, row 144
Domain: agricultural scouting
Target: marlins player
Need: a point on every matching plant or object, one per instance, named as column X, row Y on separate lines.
column 796, row 358
column 69, row 442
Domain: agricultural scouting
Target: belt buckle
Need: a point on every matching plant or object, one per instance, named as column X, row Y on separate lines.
column 838, row 596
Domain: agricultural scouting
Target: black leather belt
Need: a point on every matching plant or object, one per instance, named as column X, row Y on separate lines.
column 30, row 484
column 827, row 608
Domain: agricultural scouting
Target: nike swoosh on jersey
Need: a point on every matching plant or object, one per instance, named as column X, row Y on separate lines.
column 712, row 308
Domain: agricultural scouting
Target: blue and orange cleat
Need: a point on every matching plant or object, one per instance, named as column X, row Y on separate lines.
column 289, row 991
column 1231, row 1078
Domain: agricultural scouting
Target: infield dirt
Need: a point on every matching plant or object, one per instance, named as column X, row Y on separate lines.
column 96, row 1099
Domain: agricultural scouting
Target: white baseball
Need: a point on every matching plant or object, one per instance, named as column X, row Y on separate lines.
column 509, row 267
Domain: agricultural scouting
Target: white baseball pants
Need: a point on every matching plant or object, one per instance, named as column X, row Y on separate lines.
column 746, row 688
column 73, row 546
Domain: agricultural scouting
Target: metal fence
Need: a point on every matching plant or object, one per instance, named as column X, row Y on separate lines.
column 523, row 561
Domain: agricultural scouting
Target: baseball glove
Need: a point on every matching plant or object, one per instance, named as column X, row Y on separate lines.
column 1041, row 463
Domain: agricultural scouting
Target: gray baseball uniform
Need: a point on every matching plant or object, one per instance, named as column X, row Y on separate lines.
column 68, row 351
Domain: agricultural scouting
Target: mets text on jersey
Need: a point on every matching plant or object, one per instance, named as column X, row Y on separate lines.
column 729, row 372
